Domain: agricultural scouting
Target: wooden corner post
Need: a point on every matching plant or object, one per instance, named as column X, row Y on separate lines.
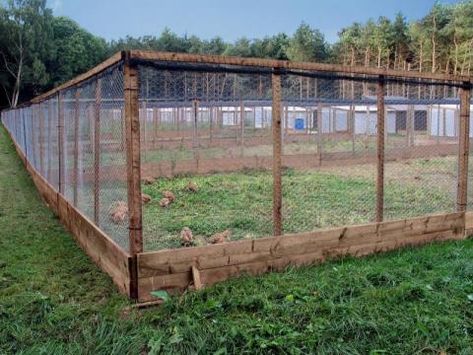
column 380, row 89
column 464, row 143
column 277, row 152
column 133, row 163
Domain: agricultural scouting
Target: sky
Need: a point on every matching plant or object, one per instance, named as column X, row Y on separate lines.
column 229, row 19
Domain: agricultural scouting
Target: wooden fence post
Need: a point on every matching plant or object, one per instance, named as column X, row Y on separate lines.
column 75, row 172
column 133, row 163
column 34, row 117
column 463, row 152
column 41, row 132
column 50, row 136
column 380, row 150
column 277, row 151
column 60, row 109
column 98, row 99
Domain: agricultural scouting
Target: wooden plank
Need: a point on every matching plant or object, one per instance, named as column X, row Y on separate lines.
column 97, row 108
column 282, row 64
column 254, row 265
column 380, row 92
column 209, row 276
column 171, row 262
column 181, row 260
column 464, row 146
column 196, row 278
column 277, row 152
column 81, row 78
column 132, row 123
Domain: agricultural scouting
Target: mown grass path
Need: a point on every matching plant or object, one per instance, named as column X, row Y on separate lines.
column 53, row 300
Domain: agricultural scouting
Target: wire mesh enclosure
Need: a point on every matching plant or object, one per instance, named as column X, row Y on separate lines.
column 164, row 151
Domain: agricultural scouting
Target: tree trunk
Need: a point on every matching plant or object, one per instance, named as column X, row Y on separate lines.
column 434, row 46
column 16, row 87
column 380, row 51
column 455, row 67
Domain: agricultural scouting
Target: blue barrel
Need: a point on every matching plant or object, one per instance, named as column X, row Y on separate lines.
column 299, row 124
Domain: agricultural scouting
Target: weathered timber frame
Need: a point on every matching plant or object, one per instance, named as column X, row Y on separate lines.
column 137, row 273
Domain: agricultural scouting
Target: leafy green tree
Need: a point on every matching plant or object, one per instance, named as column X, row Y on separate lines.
column 401, row 42
column 350, row 43
column 459, row 31
column 25, row 34
column 214, row 46
column 75, row 50
column 241, row 48
column 307, row 44
column 435, row 25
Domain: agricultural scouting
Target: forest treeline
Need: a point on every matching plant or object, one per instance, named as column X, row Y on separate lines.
column 39, row 50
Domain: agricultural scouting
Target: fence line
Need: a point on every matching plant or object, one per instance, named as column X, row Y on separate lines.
column 87, row 144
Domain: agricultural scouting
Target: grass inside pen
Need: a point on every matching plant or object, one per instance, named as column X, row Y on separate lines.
column 242, row 201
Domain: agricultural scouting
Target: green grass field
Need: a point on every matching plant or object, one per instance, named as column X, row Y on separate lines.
column 242, row 201
column 53, row 300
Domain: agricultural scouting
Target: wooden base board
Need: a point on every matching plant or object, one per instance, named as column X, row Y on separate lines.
column 175, row 270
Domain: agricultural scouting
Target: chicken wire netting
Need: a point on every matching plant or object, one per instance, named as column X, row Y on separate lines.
column 93, row 149
column 422, row 123
column 112, row 174
column 213, row 129
column 207, row 150
column 329, row 152
column 97, row 160
column 206, row 154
